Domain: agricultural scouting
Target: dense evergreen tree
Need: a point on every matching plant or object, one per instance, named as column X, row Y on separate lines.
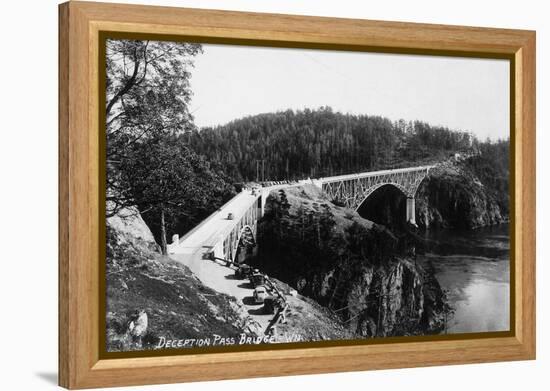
column 317, row 143
column 492, row 166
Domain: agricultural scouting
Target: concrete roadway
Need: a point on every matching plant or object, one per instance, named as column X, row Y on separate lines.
column 193, row 247
column 221, row 278
column 213, row 274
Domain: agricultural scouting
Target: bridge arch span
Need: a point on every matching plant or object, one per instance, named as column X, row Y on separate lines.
column 352, row 190
column 246, row 239
column 385, row 204
column 374, row 188
column 247, row 234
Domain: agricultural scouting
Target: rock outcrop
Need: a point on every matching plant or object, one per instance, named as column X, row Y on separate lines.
column 131, row 229
column 452, row 196
column 349, row 265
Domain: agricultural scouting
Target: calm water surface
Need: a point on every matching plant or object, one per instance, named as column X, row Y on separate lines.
column 474, row 268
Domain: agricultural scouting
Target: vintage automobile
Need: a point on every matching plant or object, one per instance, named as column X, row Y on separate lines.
column 257, row 278
column 260, row 293
column 243, row 271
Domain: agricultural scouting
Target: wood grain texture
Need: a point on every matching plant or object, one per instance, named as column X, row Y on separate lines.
column 80, row 24
column 64, row 353
column 528, row 184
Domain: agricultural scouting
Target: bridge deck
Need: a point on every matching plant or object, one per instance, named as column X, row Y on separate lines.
column 217, row 226
column 367, row 174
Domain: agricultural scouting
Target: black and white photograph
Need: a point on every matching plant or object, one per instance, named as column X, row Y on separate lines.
column 266, row 195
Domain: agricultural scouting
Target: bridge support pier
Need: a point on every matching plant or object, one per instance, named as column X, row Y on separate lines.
column 411, row 212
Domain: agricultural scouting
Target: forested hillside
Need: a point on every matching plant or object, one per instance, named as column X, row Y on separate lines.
column 492, row 166
column 315, row 143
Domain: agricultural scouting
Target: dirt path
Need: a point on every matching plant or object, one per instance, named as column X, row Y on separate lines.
column 221, row 278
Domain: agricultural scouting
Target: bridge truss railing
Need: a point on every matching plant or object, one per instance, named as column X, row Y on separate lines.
column 340, row 178
column 248, row 220
column 352, row 190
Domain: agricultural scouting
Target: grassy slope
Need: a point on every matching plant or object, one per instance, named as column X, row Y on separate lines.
column 177, row 304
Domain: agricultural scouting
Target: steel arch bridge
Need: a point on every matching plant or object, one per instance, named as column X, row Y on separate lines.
column 221, row 235
column 352, row 190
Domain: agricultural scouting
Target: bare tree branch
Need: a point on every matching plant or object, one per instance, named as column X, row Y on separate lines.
column 129, row 84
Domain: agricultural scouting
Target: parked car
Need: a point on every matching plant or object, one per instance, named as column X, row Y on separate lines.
column 257, row 278
column 242, row 271
column 260, row 293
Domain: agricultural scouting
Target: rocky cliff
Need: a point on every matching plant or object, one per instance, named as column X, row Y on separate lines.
column 348, row 264
column 452, row 196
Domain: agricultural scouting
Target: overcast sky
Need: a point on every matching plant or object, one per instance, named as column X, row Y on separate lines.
column 230, row 82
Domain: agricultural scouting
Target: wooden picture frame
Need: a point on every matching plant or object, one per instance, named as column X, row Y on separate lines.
column 80, row 226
